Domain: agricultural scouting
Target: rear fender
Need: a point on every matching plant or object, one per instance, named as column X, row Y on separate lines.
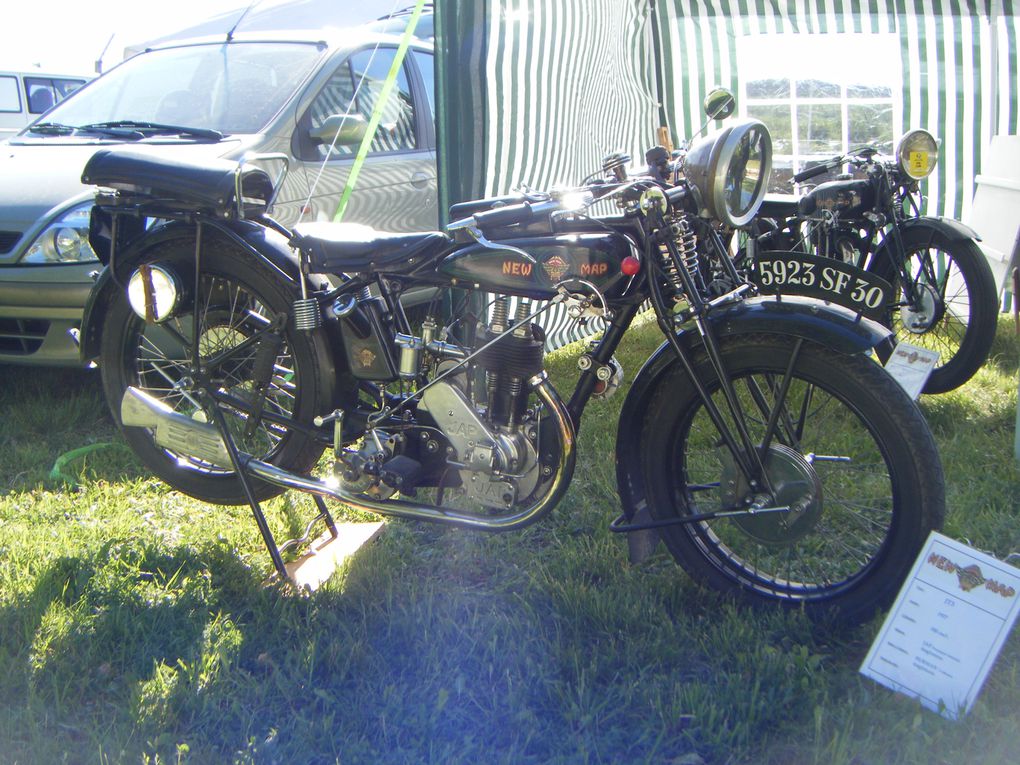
column 835, row 327
column 255, row 241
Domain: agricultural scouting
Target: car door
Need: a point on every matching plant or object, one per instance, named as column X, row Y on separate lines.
column 396, row 186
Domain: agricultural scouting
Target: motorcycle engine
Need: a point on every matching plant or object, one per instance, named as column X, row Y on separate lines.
column 489, row 442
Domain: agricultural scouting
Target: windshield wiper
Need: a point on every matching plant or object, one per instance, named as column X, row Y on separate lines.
column 51, row 128
column 157, row 128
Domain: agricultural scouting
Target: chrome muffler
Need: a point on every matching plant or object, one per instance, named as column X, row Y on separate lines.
column 174, row 431
column 193, row 438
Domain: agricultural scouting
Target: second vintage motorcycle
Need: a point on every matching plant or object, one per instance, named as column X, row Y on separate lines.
column 774, row 457
column 944, row 297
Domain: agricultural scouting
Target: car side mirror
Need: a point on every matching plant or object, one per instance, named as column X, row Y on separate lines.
column 346, row 129
column 719, row 104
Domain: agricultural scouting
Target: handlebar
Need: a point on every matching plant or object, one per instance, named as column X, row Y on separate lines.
column 811, row 172
column 505, row 216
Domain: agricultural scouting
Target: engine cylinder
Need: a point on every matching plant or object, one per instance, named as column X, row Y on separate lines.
column 512, row 358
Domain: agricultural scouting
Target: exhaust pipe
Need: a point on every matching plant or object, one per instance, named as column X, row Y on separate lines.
column 201, row 440
column 172, row 430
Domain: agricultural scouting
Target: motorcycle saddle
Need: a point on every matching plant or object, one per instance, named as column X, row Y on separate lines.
column 354, row 248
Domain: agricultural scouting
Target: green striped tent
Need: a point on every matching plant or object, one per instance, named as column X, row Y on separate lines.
column 538, row 91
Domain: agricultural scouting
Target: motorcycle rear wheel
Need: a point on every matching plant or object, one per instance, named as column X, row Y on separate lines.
column 236, row 298
column 957, row 311
column 854, row 461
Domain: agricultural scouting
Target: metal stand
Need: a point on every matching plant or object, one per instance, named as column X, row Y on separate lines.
column 238, row 462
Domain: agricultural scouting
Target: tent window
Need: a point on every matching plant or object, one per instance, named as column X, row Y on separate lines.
column 819, row 96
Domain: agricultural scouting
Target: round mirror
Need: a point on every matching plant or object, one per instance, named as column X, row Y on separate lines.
column 719, row 104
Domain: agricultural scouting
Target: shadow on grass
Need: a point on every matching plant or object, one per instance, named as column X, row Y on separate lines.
column 124, row 637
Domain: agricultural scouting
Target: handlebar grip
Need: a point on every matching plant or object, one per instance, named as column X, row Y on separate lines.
column 505, row 216
column 677, row 194
column 811, row 172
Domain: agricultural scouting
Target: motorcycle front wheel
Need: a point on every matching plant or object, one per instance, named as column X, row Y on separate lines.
column 856, row 482
column 955, row 307
column 236, row 299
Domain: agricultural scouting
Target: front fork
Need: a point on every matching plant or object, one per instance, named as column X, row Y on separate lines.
column 748, row 456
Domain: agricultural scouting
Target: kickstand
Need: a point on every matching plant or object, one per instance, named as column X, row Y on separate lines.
column 324, row 515
column 249, row 493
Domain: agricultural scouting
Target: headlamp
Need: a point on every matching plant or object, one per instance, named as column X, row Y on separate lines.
column 917, row 154
column 730, row 170
column 65, row 240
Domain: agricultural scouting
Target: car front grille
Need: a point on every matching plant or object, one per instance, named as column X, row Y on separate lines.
column 7, row 240
column 22, row 337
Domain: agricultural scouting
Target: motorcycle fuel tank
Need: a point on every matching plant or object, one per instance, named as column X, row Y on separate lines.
column 537, row 264
column 847, row 198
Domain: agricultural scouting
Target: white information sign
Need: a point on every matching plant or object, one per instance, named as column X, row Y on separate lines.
column 911, row 366
column 946, row 627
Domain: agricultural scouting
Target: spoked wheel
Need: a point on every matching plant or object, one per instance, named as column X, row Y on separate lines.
column 954, row 307
column 855, row 479
column 265, row 373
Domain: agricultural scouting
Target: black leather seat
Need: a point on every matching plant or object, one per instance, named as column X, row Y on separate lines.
column 354, row 248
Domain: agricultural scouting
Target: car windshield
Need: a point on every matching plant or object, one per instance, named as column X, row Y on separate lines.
column 228, row 87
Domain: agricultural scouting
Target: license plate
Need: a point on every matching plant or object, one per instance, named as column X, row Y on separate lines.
column 797, row 273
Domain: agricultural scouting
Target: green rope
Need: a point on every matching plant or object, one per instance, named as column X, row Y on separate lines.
column 58, row 467
column 373, row 122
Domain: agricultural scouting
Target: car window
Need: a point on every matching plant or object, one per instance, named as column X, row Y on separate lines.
column 427, row 69
column 361, row 78
column 10, row 101
column 64, row 87
column 40, row 93
column 231, row 87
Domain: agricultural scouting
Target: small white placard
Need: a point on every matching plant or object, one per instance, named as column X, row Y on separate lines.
column 946, row 627
column 911, row 366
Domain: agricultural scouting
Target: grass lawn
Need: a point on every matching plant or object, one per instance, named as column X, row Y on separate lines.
column 137, row 625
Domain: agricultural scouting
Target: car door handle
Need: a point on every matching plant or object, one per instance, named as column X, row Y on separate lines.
column 420, row 180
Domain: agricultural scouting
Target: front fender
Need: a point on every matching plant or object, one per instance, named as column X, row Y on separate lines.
column 258, row 242
column 835, row 327
column 948, row 227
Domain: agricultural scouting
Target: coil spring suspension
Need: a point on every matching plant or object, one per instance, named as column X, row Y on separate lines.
column 687, row 257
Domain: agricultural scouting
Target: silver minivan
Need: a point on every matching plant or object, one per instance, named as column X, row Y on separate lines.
column 26, row 95
column 253, row 94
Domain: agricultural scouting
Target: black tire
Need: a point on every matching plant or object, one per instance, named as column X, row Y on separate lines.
column 233, row 288
column 961, row 306
column 859, row 523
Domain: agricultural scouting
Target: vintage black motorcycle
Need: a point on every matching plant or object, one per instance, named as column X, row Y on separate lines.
column 944, row 296
column 774, row 457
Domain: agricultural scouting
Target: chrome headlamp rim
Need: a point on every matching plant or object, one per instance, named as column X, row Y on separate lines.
column 164, row 293
column 707, row 165
column 917, row 153
column 729, row 146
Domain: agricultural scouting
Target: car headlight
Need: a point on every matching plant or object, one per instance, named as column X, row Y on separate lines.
column 917, row 154
column 65, row 240
column 730, row 171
